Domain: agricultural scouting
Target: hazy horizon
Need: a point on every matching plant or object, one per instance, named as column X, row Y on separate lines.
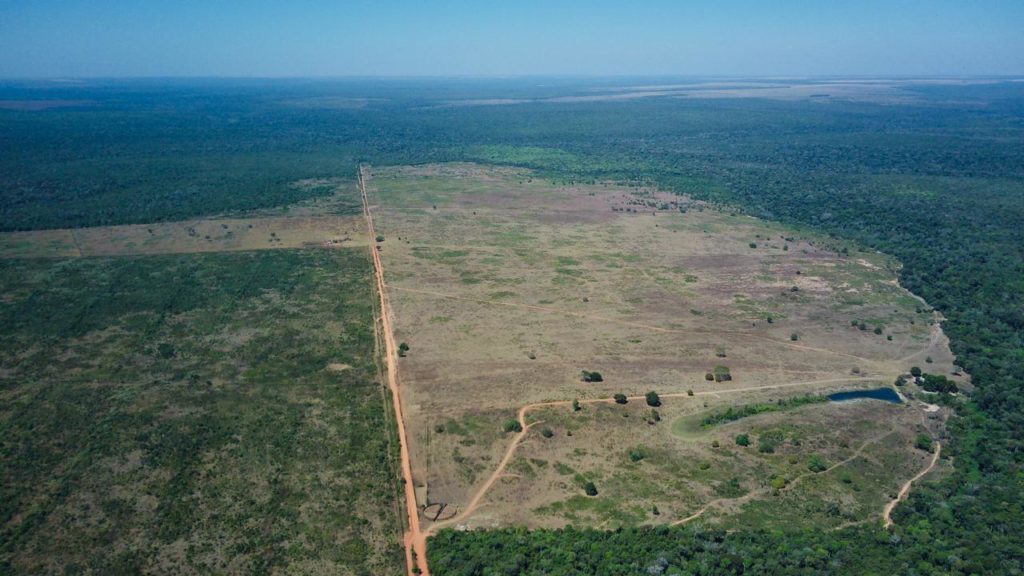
column 450, row 39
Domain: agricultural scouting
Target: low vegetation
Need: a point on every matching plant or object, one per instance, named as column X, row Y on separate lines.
column 732, row 413
column 187, row 403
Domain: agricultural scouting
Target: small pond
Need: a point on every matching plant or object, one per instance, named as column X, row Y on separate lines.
column 885, row 394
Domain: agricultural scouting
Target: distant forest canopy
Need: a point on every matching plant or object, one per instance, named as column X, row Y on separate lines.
column 936, row 179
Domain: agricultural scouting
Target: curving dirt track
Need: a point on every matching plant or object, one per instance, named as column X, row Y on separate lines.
column 887, row 512
column 415, row 539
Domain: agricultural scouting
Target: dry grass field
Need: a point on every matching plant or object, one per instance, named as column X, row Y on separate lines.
column 318, row 222
column 506, row 287
column 193, row 236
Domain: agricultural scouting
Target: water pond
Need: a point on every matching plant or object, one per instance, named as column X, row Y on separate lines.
column 885, row 394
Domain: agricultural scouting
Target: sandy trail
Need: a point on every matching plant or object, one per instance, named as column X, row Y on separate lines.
column 477, row 499
column 415, row 540
column 887, row 512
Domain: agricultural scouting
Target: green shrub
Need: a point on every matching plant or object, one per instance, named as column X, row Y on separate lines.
column 816, row 464
column 923, row 442
column 652, row 399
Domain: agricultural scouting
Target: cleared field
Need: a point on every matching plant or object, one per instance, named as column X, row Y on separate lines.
column 323, row 221
column 505, row 288
column 193, row 236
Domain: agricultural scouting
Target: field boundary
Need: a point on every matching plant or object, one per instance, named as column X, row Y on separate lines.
column 414, row 540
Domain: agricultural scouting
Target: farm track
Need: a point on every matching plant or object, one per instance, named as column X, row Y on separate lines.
column 887, row 512
column 414, row 539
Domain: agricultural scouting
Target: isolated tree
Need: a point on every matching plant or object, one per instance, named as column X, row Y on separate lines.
column 652, row 399
column 743, row 440
column 721, row 373
column 589, row 376
column 620, row 398
column 547, row 432
column 923, row 442
column 576, row 406
column 513, row 426
column 794, row 336
column 915, row 372
column 380, row 237
column 590, row 489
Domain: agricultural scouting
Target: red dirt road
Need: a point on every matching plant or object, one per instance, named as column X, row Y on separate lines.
column 415, row 540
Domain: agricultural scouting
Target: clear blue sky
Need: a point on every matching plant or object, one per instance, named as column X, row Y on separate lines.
column 444, row 37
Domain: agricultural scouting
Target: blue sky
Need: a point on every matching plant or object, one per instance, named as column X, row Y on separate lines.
column 46, row 38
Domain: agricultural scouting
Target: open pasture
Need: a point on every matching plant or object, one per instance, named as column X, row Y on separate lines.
column 506, row 288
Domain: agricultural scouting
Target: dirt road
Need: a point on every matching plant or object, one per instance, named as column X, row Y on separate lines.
column 887, row 513
column 415, row 540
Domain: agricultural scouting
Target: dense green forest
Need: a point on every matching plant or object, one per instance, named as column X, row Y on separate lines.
column 937, row 181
